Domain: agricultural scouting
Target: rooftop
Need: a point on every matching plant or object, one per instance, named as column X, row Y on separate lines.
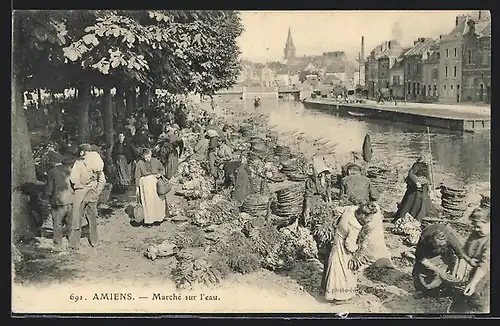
column 421, row 46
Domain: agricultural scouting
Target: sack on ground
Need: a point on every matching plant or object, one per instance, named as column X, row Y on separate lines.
column 135, row 212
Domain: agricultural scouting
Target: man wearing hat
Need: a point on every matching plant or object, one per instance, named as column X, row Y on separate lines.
column 60, row 194
column 357, row 187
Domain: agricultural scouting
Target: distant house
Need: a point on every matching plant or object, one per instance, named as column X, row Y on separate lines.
column 476, row 60
column 430, row 75
column 397, row 76
column 267, row 77
column 413, row 63
column 377, row 73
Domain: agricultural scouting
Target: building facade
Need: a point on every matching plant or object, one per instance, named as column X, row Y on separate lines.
column 430, row 75
column 389, row 51
column 476, row 59
column 413, row 69
column 396, row 79
column 450, row 62
column 383, row 74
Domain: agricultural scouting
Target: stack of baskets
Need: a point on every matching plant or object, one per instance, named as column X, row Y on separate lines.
column 255, row 205
column 453, row 201
column 293, row 169
column 383, row 178
column 283, row 152
column 259, row 148
column 290, row 201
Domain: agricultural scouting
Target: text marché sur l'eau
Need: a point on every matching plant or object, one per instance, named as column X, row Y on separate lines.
column 179, row 297
column 156, row 296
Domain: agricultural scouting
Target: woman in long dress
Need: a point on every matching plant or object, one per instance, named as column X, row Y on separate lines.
column 122, row 157
column 171, row 150
column 340, row 280
column 416, row 200
column 147, row 172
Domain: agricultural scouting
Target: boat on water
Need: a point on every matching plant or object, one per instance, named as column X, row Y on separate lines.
column 357, row 114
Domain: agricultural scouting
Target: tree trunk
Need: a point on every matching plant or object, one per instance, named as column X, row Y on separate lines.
column 83, row 113
column 131, row 98
column 120, row 107
column 23, row 165
column 39, row 94
column 144, row 97
column 107, row 114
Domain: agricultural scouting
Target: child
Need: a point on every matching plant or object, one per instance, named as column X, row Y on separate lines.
column 476, row 296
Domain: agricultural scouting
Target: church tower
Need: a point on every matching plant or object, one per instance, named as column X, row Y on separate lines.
column 289, row 47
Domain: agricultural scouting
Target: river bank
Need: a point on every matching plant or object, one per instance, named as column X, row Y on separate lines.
column 119, row 265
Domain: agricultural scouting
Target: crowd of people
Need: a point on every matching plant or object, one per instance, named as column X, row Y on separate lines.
column 146, row 155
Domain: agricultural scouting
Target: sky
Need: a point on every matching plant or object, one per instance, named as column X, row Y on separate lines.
column 315, row 32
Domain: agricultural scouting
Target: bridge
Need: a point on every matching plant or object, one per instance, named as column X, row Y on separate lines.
column 264, row 92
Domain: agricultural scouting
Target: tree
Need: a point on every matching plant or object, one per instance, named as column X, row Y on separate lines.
column 35, row 33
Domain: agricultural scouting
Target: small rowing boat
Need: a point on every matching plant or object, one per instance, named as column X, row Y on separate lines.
column 356, row 114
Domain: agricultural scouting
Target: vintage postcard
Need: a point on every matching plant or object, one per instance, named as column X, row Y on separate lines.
column 180, row 161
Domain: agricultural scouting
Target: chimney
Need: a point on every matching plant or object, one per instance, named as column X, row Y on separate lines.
column 479, row 14
column 389, row 45
column 456, row 21
column 362, row 48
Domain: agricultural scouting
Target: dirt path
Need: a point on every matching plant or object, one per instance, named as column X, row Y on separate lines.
column 119, row 265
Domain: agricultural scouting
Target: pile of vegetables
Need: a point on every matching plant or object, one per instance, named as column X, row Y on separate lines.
column 302, row 241
column 271, row 245
column 324, row 219
column 216, row 211
column 196, row 188
column 408, row 227
column 239, row 253
column 198, row 266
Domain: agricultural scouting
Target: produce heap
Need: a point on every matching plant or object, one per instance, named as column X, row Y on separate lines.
column 220, row 236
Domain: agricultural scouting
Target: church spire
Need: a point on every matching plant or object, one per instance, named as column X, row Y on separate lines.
column 289, row 47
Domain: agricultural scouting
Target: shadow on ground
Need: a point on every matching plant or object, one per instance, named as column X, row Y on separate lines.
column 309, row 275
column 42, row 265
column 390, row 276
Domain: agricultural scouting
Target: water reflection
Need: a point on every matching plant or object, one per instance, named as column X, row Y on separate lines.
column 463, row 158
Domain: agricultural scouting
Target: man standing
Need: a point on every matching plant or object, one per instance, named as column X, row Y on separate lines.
column 60, row 194
column 88, row 181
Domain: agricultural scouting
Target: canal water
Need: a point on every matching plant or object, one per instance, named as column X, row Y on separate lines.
column 458, row 158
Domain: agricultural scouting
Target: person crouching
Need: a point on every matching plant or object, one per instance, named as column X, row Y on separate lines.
column 88, row 180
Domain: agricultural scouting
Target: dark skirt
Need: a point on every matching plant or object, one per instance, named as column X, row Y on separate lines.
column 172, row 164
column 123, row 171
column 416, row 202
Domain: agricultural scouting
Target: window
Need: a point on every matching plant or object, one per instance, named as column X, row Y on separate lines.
column 454, row 71
column 409, row 88
column 446, row 71
column 429, row 90
column 455, row 52
column 447, row 54
column 485, row 58
column 469, row 56
column 451, row 87
column 435, row 73
column 418, row 88
column 482, row 75
column 386, row 84
column 435, row 89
